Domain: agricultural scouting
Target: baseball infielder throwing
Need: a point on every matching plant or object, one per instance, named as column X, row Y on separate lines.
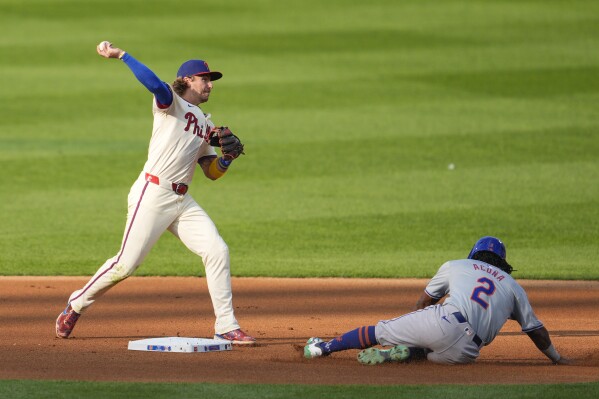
column 158, row 199
column 482, row 297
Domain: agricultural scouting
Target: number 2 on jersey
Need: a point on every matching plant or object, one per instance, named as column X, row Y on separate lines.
column 487, row 287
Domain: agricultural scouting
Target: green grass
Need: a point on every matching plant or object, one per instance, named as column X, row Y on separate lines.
column 350, row 111
column 93, row 390
column 349, row 128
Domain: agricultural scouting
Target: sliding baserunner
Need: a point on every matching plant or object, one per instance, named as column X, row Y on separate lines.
column 480, row 296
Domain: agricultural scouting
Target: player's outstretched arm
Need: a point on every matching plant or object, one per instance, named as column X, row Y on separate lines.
column 161, row 90
column 542, row 341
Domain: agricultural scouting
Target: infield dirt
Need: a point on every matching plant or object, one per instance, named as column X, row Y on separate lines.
column 282, row 314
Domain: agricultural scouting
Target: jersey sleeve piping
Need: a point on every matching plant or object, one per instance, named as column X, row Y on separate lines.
column 432, row 296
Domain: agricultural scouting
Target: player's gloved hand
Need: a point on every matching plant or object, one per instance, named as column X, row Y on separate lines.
column 229, row 144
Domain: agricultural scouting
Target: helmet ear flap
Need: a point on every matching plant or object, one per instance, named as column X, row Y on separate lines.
column 491, row 244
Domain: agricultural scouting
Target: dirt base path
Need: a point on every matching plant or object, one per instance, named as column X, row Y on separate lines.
column 281, row 314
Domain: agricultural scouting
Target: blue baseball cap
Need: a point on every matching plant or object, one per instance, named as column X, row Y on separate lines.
column 197, row 67
column 489, row 243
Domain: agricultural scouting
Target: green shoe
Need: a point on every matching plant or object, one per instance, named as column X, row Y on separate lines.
column 313, row 349
column 373, row 356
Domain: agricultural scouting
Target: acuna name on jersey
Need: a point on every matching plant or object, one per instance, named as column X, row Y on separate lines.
column 493, row 272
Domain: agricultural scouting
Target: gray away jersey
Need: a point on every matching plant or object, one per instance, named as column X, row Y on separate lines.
column 486, row 296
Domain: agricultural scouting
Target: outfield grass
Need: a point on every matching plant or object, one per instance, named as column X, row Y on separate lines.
column 351, row 112
column 98, row 390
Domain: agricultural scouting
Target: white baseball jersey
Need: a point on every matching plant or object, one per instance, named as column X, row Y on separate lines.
column 485, row 295
column 179, row 139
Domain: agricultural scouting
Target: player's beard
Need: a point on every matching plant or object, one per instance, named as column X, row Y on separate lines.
column 204, row 96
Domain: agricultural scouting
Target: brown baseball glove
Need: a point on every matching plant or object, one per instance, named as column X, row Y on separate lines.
column 229, row 144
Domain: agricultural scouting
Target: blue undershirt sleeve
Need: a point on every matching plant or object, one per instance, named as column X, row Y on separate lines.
column 161, row 90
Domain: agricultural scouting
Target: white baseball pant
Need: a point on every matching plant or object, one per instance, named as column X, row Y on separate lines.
column 152, row 210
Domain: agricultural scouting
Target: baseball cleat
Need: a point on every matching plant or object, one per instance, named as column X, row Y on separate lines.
column 237, row 337
column 314, row 348
column 66, row 322
column 373, row 356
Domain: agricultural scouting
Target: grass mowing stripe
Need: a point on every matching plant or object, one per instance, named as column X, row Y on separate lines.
column 523, row 83
column 105, row 165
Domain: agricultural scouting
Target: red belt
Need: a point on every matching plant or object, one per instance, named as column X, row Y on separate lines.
column 179, row 188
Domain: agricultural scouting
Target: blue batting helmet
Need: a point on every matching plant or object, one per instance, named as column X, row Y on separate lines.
column 488, row 243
